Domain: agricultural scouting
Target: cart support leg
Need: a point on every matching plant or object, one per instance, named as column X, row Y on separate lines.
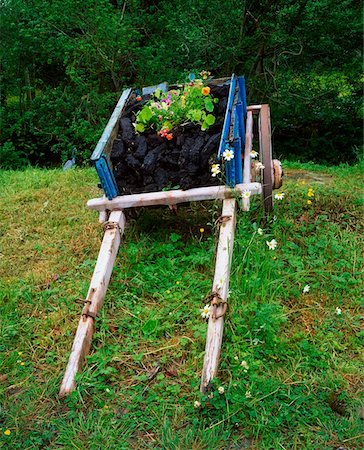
column 114, row 229
column 220, row 289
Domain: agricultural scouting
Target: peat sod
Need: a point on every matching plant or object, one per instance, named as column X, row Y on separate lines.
column 149, row 163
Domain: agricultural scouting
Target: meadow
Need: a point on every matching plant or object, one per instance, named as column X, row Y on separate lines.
column 291, row 365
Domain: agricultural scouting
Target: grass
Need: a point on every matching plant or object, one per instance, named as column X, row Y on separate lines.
column 300, row 387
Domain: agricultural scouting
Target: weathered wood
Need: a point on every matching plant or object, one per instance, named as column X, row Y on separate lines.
column 265, row 146
column 95, row 297
column 221, row 287
column 172, row 197
column 247, row 158
column 254, row 108
column 112, row 127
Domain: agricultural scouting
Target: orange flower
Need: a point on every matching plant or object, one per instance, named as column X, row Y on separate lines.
column 139, row 98
column 205, row 90
column 169, row 136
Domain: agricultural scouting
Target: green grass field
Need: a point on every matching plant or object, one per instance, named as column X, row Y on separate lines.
column 299, row 386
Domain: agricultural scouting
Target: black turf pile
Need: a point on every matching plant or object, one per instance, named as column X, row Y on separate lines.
column 148, row 163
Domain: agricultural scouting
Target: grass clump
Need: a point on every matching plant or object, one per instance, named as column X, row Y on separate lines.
column 290, row 366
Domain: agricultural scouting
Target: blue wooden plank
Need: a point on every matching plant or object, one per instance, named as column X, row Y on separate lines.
column 237, row 149
column 242, row 93
column 106, row 176
column 227, row 121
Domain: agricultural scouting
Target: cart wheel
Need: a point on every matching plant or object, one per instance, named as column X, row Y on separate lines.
column 266, row 157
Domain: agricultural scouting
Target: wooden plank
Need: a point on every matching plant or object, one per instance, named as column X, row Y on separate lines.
column 247, row 158
column 172, row 197
column 111, row 130
column 265, row 149
column 254, row 108
column 221, row 287
column 95, row 297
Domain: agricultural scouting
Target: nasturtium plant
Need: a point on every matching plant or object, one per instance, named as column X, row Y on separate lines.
column 191, row 102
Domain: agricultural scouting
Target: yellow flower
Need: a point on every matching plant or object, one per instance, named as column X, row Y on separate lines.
column 22, row 363
column 20, row 353
column 309, row 202
column 177, row 282
column 202, row 230
column 205, row 90
column 7, row 432
column 311, row 192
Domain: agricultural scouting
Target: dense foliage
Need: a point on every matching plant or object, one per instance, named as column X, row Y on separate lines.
column 64, row 64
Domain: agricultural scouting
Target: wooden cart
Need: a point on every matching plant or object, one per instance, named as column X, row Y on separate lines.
column 243, row 176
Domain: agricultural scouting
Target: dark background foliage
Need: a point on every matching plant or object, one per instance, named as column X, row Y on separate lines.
column 65, row 63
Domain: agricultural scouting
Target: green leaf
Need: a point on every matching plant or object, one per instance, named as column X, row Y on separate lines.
column 210, row 119
column 196, row 115
column 209, row 104
column 139, row 128
column 150, row 326
column 145, row 115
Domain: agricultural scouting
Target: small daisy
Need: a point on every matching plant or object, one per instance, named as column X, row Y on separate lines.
column 260, row 231
column 254, row 154
column 306, row 289
column 246, row 194
column 244, row 365
column 338, row 311
column 279, row 196
column 205, row 312
column 228, row 155
column 196, row 404
column 215, row 169
column 248, row 394
column 272, row 244
column 221, row 390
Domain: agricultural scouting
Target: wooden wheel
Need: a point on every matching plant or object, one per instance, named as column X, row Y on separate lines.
column 266, row 157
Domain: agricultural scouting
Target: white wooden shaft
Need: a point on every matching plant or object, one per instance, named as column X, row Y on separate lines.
column 95, row 297
column 220, row 285
column 247, row 158
column 172, row 197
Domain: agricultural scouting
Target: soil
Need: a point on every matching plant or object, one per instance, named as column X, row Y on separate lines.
column 149, row 163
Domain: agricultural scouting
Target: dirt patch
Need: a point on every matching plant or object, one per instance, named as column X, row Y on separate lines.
column 299, row 175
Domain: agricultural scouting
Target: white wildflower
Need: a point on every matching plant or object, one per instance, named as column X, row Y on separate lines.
column 272, row 244
column 197, row 404
column 338, row 311
column 279, row 196
column 221, row 390
column 260, row 231
column 306, row 289
column 246, row 193
column 228, row 155
column 244, row 365
column 215, row 169
column 248, row 394
column 254, row 154
column 205, row 312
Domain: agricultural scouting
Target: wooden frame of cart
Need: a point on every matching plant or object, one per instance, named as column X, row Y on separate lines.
column 113, row 218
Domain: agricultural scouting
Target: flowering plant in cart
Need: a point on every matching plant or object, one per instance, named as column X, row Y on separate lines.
column 165, row 111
